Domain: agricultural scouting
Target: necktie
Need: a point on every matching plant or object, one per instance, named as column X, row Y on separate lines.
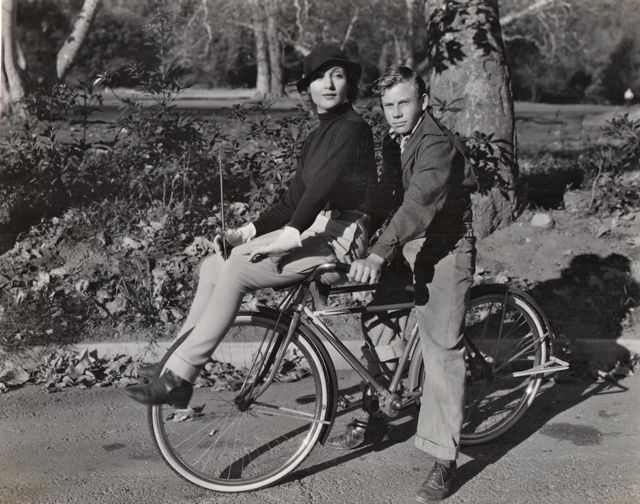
column 403, row 142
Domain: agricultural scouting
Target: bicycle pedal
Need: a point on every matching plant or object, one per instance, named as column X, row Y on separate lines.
column 343, row 402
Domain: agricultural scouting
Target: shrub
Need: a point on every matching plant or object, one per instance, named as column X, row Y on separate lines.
column 624, row 133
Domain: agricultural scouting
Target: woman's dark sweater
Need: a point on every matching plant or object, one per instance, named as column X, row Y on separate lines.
column 335, row 171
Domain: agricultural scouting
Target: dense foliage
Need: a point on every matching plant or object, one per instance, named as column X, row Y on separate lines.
column 115, row 215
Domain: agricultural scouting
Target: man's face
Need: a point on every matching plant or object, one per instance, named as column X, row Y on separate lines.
column 403, row 106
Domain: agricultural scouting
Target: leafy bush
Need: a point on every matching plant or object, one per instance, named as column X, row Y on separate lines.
column 129, row 209
column 625, row 135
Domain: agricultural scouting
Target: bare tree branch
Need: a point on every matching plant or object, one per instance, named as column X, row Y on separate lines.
column 537, row 6
column 302, row 15
column 22, row 61
column 510, row 38
column 207, row 25
column 249, row 26
column 347, row 35
column 69, row 50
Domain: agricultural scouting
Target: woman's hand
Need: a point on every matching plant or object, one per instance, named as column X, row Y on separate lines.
column 286, row 241
column 233, row 237
column 366, row 270
column 240, row 235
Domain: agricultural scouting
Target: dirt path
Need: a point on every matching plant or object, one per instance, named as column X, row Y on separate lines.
column 580, row 442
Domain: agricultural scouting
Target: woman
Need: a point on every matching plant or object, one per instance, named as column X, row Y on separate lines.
column 320, row 218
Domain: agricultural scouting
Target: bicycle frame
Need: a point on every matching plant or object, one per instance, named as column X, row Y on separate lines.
column 293, row 303
column 390, row 402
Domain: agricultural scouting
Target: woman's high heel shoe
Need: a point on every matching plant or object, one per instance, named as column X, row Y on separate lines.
column 149, row 371
column 167, row 388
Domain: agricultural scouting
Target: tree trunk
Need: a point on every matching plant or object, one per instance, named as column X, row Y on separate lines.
column 385, row 58
column 262, row 55
column 411, row 8
column 476, row 87
column 71, row 46
column 3, row 85
column 12, row 88
column 276, row 86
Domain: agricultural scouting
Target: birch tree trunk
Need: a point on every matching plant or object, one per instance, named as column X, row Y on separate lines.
column 71, row 46
column 276, row 86
column 411, row 8
column 12, row 88
column 262, row 54
column 477, row 88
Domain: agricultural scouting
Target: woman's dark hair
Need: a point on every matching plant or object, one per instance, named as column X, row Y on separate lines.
column 397, row 74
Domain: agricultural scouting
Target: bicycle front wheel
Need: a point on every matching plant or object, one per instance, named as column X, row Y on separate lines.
column 225, row 444
column 506, row 343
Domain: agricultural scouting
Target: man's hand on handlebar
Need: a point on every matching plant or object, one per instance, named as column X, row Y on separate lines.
column 366, row 270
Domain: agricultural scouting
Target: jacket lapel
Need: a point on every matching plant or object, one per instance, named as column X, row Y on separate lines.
column 411, row 148
column 427, row 126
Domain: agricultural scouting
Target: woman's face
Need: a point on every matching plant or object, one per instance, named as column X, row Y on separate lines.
column 329, row 89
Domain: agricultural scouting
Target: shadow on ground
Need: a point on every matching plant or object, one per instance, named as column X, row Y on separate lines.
column 594, row 299
column 552, row 401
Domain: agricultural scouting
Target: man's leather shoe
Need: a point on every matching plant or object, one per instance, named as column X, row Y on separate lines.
column 167, row 388
column 357, row 434
column 438, row 484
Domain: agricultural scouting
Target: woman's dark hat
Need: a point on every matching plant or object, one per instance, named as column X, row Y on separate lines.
column 325, row 56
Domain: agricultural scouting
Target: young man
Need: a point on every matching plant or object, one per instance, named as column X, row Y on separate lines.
column 433, row 229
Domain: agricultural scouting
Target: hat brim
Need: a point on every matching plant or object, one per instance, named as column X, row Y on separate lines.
column 352, row 67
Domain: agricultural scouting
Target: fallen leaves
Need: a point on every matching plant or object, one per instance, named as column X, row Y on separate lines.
column 63, row 369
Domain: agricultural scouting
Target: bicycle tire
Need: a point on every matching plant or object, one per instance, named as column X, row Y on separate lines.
column 495, row 399
column 225, row 449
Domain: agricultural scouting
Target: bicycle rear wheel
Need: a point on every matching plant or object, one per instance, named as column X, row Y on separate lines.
column 506, row 342
column 225, row 444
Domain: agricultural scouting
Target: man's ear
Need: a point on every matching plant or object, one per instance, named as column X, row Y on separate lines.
column 425, row 101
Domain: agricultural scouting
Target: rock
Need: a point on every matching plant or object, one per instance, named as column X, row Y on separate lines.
column 502, row 279
column 630, row 177
column 12, row 374
column 634, row 269
column 602, row 230
column 542, row 220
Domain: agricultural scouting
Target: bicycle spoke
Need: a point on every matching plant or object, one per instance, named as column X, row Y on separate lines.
column 271, row 410
column 504, row 309
column 531, row 345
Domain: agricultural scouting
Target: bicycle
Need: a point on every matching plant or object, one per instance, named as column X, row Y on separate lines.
column 247, row 436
